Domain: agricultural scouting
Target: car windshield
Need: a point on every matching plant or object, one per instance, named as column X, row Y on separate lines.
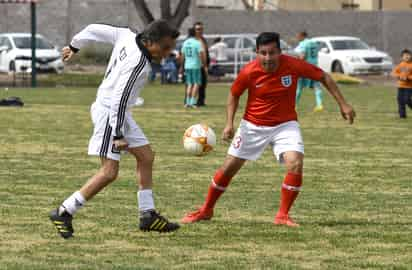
column 350, row 44
column 25, row 43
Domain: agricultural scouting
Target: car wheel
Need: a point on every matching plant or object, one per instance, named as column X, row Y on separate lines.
column 12, row 66
column 337, row 67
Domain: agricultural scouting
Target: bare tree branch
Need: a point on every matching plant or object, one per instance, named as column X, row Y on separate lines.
column 176, row 20
column 247, row 5
column 165, row 9
column 182, row 11
column 143, row 11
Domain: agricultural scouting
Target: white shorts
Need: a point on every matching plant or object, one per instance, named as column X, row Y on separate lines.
column 250, row 140
column 101, row 142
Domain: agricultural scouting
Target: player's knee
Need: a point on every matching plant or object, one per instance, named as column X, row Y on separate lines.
column 295, row 165
column 110, row 173
column 148, row 158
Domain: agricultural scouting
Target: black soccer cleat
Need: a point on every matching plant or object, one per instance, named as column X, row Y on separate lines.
column 152, row 221
column 63, row 223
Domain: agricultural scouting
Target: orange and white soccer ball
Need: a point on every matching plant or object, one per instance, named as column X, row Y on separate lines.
column 199, row 139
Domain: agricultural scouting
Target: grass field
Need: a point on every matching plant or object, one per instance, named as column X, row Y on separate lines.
column 355, row 209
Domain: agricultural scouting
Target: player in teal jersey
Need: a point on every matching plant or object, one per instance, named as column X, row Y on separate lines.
column 193, row 58
column 308, row 51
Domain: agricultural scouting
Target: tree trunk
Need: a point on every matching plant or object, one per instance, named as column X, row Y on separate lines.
column 176, row 20
column 247, row 5
column 182, row 11
column 143, row 11
column 165, row 9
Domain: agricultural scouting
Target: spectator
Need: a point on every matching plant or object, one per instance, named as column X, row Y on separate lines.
column 198, row 26
column 169, row 69
column 403, row 73
column 218, row 55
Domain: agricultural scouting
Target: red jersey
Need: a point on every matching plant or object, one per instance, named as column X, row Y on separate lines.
column 271, row 95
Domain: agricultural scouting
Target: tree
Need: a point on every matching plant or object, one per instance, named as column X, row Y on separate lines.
column 247, row 5
column 175, row 19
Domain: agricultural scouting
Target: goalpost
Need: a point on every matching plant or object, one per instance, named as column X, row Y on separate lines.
column 33, row 34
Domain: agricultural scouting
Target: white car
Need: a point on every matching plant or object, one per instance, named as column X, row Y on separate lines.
column 350, row 55
column 15, row 54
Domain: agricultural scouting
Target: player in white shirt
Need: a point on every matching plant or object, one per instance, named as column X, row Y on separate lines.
column 115, row 131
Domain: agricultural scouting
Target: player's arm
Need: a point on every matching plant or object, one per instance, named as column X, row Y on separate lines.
column 396, row 73
column 346, row 110
column 238, row 87
column 231, row 108
column 93, row 32
column 300, row 50
column 182, row 62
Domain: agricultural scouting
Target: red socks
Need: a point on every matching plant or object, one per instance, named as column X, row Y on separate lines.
column 290, row 190
column 216, row 189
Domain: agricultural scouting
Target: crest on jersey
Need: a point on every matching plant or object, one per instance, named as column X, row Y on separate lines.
column 286, row 80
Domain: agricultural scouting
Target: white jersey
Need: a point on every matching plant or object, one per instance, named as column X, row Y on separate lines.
column 126, row 73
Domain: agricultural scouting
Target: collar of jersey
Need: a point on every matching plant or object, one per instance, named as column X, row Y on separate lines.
column 141, row 46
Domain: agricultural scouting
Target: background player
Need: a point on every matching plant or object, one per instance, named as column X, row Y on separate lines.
column 308, row 50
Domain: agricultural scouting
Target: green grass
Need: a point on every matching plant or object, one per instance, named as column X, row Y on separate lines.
column 355, row 208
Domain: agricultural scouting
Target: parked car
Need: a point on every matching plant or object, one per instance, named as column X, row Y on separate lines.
column 241, row 49
column 15, row 53
column 350, row 55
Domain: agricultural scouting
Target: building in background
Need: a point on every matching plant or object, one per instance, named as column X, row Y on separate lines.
column 307, row 5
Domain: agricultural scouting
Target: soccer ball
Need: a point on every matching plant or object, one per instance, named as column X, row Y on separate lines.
column 199, row 139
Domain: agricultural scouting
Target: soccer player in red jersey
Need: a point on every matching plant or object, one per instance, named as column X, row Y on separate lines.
column 269, row 119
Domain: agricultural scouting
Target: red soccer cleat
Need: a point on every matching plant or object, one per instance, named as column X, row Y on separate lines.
column 281, row 219
column 198, row 215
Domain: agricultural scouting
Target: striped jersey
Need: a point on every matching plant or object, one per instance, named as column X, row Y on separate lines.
column 126, row 73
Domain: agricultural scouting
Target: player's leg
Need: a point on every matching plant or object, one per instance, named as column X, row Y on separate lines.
column 189, row 85
column 290, row 187
column 401, row 103
column 409, row 98
column 140, row 148
column 197, row 81
column 63, row 215
column 299, row 90
column 202, row 88
column 248, row 144
column 318, row 97
column 217, row 187
column 289, row 149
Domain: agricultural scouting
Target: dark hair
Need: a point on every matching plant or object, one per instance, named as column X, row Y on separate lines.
column 198, row 23
column 303, row 34
column 191, row 32
column 267, row 38
column 218, row 39
column 404, row 51
column 157, row 30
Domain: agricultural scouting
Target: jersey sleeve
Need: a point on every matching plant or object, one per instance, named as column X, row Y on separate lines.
column 96, row 32
column 240, row 84
column 307, row 70
column 129, row 75
column 300, row 49
column 396, row 72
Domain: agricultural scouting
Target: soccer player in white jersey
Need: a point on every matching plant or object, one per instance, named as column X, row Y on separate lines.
column 115, row 131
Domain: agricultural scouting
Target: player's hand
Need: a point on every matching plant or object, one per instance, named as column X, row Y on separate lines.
column 67, row 53
column 121, row 144
column 228, row 133
column 348, row 113
column 403, row 78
